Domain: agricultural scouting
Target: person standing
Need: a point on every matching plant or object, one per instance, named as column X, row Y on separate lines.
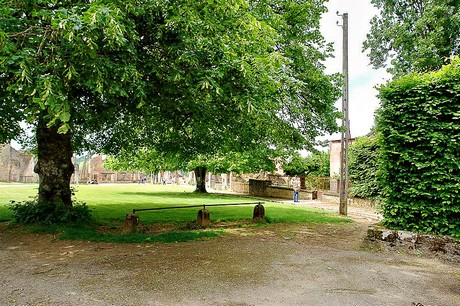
column 296, row 193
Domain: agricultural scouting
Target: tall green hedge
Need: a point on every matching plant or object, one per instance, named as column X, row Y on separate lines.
column 419, row 122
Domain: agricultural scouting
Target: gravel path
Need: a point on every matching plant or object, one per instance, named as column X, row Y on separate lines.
column 269, row 265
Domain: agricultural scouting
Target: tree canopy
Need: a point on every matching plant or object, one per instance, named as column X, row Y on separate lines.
column 186, row 78
column 315, row 164
column 262, row 86
column 413, row 35
column 262, row 97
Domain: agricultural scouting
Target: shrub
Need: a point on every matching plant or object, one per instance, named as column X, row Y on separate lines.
column 38, row 212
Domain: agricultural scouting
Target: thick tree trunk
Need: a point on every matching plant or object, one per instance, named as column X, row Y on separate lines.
column 54, row 166
column 200, row 177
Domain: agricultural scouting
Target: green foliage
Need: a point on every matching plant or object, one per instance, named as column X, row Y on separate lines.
column 46, row 213
column 184, row 78
column 420, row 128
column 297, row 165
column 415, row 35
column 56, row 60
column 242, row 79
column 143, row 159
column 315, row 164
column 363, row 168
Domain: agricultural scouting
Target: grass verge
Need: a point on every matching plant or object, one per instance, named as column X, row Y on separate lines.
column 110, row 203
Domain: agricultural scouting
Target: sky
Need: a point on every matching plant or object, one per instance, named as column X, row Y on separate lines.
column 362, row 77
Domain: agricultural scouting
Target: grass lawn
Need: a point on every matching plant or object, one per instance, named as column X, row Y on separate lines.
column 110, row 203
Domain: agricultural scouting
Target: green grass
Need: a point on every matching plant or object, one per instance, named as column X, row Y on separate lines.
column 168, row 237
column 14, row 192
column 110, row 203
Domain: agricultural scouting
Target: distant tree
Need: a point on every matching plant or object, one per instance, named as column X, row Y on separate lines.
column 151, row 161
column 315, row 164
column 144, row 160
column 416, row 35
column 364, row 168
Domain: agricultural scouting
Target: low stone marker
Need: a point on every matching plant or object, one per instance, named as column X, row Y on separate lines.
column 131, row 223
column 259, row 213
column 203, row 217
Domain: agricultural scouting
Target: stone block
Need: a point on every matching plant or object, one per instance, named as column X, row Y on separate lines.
column 131, row 223
column 203, row 217
column 259, row 213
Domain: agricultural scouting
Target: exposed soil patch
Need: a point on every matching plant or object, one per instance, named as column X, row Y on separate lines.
column 277, row 264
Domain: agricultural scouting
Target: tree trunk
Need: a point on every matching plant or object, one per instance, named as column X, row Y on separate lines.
column 54, row 166
column 200, row 177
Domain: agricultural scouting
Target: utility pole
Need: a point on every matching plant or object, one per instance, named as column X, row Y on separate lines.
column 345, row 122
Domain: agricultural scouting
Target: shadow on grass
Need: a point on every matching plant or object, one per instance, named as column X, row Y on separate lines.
column 179, row 195
column 167, row 237
column 177, row 232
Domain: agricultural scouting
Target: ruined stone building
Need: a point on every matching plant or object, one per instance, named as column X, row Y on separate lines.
column 334, row 155
column 16, row 166
column 93, row 169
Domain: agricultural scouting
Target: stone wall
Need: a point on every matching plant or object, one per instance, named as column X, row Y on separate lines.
column 240, row 187
column 334, row 198
column 258, row 188
column 287, row 193
column 263, row 188
column 5, row 163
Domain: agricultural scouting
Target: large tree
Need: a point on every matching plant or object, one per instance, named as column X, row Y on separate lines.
column 66, row 68
column 183, row 77
column 268, row 93
column 413, row 35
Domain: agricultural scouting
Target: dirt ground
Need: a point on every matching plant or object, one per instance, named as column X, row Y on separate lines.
column 270, row 265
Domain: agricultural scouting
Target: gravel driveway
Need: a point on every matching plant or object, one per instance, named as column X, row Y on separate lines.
column 269, row 265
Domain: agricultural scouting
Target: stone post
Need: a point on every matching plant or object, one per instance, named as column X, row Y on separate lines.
column 203, row 217
column 259, row 213
column 131, row 223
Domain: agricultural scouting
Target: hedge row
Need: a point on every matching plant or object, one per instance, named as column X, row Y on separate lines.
column 419, row 122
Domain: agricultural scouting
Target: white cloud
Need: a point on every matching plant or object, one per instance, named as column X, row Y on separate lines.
column 362, row 77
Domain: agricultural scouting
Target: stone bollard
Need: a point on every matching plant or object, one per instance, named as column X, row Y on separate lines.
column 203, row 217
column 314, row 195
column 259, row 213
column 131, row 223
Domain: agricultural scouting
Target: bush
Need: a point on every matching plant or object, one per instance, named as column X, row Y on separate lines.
column 420, row 146
column 47, row 213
